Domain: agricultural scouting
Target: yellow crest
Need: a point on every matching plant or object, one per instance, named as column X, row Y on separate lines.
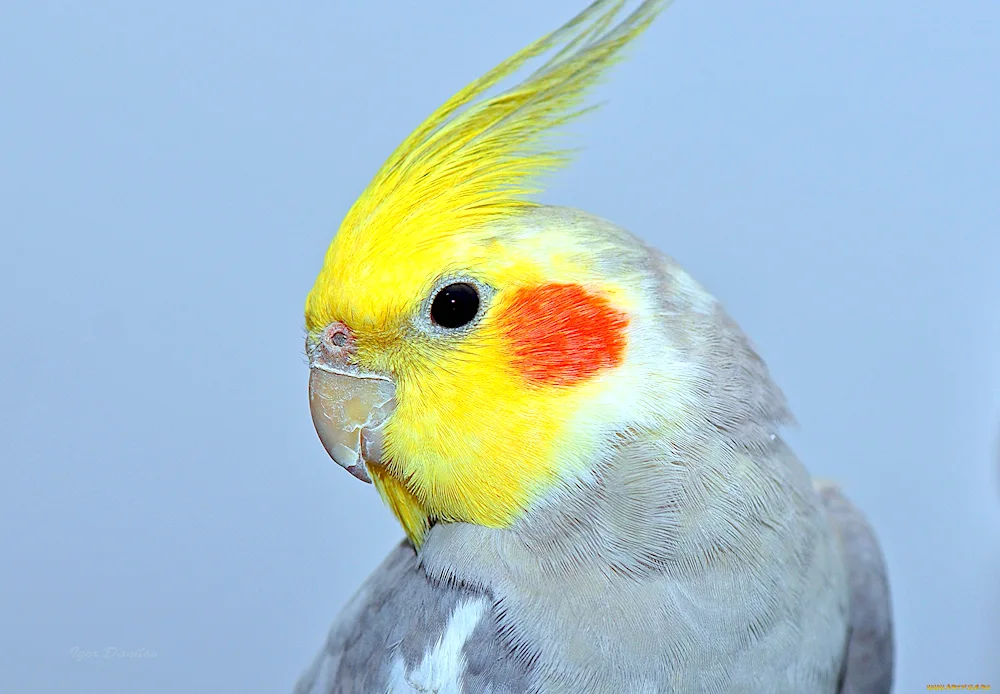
column 477, row 156
column 426, row 213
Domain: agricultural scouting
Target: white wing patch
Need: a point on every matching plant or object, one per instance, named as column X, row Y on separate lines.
column 441, row 669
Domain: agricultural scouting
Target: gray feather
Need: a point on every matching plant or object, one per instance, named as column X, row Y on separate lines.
column 695, row 555
column 869, row 659
column 392, row 621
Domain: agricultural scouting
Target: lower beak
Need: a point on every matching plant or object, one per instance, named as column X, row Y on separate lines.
column 349, row 411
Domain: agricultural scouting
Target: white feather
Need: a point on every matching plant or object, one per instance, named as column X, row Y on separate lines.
column 441, row 669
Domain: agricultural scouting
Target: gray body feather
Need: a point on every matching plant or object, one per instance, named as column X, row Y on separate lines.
column 869, row 659
column 696, row 556
column 402, row 611
column 398, row 616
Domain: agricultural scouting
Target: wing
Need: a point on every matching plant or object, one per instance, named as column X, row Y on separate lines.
column 868, row 665
column 403, row 632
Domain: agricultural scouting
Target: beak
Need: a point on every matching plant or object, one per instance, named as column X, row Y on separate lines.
column 349, row 405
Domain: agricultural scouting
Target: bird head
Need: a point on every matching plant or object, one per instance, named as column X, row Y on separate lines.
column 470, row 349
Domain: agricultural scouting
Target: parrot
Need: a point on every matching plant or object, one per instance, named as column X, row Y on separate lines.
column 583, row 450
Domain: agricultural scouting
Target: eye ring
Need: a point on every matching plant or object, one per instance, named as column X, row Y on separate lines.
column 455, row 305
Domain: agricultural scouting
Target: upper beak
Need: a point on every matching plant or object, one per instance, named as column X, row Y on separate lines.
column 349, row 405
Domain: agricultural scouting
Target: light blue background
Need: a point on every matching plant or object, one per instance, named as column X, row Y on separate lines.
column 170, row 176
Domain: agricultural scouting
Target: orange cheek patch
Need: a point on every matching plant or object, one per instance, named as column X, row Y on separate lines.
column 562, row 334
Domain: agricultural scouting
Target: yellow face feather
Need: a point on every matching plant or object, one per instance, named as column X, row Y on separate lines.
column 433, row 211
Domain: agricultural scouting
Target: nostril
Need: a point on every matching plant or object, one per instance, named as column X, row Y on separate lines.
column 337, row 337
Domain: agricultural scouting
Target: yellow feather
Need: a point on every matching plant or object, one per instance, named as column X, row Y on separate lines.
column 470, row 165
column 477, row 157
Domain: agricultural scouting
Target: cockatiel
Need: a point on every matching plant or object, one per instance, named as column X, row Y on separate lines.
column 582, row 447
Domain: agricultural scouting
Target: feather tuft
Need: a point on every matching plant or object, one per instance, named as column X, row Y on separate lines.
column 477, row 158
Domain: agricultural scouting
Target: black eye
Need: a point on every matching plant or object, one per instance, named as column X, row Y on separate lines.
column 455, row 305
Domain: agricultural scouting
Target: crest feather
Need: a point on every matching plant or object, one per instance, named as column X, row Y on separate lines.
column 475, row 157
